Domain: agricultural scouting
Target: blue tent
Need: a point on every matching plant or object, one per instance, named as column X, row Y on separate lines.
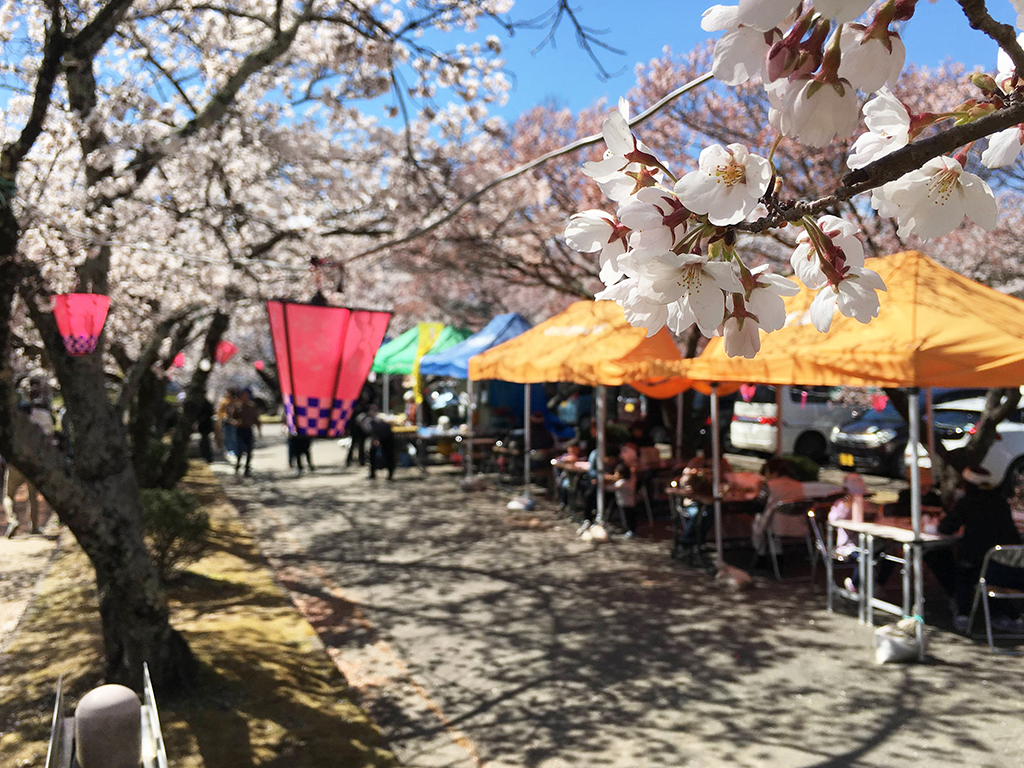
column 454, row 361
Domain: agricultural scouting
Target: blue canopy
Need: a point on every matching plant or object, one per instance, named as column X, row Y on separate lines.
column 454, row 361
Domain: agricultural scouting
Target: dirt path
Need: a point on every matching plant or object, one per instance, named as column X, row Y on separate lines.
column 23, row 560
column 483, row 637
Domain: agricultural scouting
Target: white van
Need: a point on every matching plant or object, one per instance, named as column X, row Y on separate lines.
column 808, row 416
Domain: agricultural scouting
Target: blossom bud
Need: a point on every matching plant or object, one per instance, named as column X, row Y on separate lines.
column 985, row 83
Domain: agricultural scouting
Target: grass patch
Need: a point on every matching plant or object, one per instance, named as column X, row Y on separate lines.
column 267, row 693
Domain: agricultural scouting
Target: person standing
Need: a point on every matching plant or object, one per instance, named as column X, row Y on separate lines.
column 383, row 441
column 244, row 417
column 226, row 434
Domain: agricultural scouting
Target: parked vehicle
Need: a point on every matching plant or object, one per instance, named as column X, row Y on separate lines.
column 808, row 416
column 954, row 423
column 874, row 442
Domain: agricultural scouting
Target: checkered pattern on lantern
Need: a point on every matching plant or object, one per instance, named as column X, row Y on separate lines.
column 80, row 345
column 312, row 416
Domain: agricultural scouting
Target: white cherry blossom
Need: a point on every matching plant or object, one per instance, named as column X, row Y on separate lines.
column 765, row 14
column 591, row 231
column 640, row 312
column 888, row 125
column 867, row 63
column 727, row 185
column 655, row 216
column 765, row 300
column 856, row 296
column 692, row 281
column 1003, row 147
column 1004, row 64
column 842, row 10
column 806, row 260
column 817, row 113
column 933, row 200
column 741, row 51
column 741, row 336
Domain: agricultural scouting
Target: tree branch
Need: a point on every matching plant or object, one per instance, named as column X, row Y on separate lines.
column 1004, row 35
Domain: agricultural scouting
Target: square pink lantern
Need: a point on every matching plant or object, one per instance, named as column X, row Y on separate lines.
column 80, row 318
column 323, row 357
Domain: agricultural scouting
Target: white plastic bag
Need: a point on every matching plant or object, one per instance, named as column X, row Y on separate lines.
column 898, row 642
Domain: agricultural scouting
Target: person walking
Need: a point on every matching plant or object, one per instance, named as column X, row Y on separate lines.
column 244, row 417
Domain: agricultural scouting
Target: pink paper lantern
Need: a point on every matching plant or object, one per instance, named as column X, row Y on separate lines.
column 80, row 318
column 224, row 352
column 179, row 360
column 323, row 356
column 878, row 402
column 747, row 392
column 258, row 365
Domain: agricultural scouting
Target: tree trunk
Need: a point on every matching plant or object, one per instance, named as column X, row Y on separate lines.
column 176, row 463
column 95, row 494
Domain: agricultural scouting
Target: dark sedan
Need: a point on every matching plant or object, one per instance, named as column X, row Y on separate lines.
column 872, row 443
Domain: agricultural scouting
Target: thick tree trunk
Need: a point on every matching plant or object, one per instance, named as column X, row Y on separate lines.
column 96, row 495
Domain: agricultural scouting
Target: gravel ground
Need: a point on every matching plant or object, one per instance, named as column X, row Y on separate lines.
column 479, row 636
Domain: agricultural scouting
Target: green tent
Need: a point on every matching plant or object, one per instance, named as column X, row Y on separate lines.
column 398, row 356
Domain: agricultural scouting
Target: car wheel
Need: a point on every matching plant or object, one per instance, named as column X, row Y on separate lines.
column 812, row 445
column 1014, row 477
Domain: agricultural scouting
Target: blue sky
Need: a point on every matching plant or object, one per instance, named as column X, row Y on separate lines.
column 642, row 27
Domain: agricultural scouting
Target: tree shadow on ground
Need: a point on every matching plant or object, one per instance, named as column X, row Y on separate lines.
column 538, row 645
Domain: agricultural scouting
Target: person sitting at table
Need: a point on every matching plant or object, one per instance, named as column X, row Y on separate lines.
column 566, row 481
column 984, row 514
column 779, row 486
column 541, row 438
column 622, row 481
column 703, row 461
column 851, row 507
column 639, row 435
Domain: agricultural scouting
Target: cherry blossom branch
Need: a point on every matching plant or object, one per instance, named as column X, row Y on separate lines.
column 893, row 166
column 568, row 149
column 1005, row 35
column 49, row 69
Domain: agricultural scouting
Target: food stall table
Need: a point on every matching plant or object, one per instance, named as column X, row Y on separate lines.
column 867, row 533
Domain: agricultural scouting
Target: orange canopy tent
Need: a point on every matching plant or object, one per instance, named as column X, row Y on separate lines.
column 934, row 328
column 590, row 343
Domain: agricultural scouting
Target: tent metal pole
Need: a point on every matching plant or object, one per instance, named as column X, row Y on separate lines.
column 602, row 418
column 914, row 412
column 929, row 401
column 386, row 395
column 716, row 475
column 469, row 429
column 526, row 441
column 679, row 426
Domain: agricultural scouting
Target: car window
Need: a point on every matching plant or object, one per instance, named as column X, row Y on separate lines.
column 954, row 419
column 815, row 395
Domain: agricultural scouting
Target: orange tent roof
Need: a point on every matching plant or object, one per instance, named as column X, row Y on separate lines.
column 589, row 343
column 934, row 328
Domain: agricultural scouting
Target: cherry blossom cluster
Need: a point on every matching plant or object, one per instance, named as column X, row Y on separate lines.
column 668, row 255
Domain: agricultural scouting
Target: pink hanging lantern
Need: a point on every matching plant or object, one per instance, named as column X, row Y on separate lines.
column 878, row 402
column 323, row 357
column 225, row 351
column 80, row 318
column 259, row 365
column 179, row 360
column 747, row 392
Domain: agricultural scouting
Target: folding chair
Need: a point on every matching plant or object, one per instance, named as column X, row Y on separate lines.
column 802, row 508
column 1009, row 556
